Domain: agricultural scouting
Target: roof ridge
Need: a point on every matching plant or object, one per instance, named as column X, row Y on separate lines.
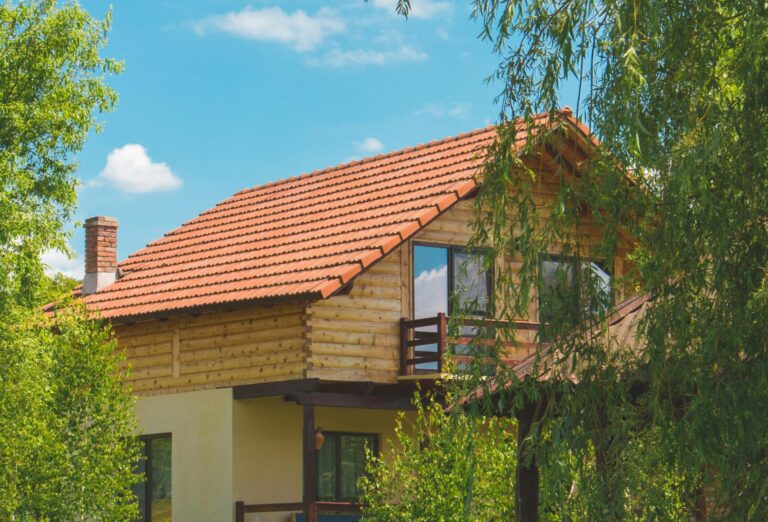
column 369, row 159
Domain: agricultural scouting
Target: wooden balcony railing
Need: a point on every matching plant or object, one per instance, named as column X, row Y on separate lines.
column 416, row 359
column 241, row 508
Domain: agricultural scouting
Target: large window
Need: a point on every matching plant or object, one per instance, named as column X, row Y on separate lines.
column 446, row 276
column 154, row 493
column 572, row 290
column 448, row 279
column 341, row 463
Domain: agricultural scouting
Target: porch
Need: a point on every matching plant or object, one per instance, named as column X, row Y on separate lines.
column 276, row 452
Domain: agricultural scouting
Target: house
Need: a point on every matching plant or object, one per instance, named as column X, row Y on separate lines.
column 294, row 316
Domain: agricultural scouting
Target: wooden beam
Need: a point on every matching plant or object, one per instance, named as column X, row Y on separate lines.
column 271, row 389
column 348, row 400
column 310, row 465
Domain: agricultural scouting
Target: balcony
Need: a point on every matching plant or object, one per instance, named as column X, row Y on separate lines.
column 425, row 342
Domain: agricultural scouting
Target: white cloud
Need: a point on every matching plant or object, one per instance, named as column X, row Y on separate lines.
column 57, row 262
column 430, row 291
column 299, row 30
column 130, row 169
column 440, row 110
column 369, row 145
column 342, row 58
column 423, row 9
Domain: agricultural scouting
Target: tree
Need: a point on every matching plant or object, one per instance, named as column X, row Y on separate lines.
column 677, row 93
column 66, row 420
column 435, row 459
column 51, row 84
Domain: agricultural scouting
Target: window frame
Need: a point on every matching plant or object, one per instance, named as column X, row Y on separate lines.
column 337, row 461
column 489, row 276
column 574, row 262
column 145, row 441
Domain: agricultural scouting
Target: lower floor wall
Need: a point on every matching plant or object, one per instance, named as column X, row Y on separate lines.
column 226, row 450
column 200, row 425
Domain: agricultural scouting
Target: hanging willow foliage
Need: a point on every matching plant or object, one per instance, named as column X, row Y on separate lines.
column 674, row 425
column 677, row 94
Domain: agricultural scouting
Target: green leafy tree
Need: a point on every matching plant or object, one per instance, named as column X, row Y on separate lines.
column 66, row 419
column 436, row 458
column 51, row 85
column 677, row 94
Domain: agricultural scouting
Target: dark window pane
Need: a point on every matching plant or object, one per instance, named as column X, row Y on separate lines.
column 558, row 295
column 341, row 463
column 352, row 464
column 568, row 296
column 327, row 468
column 470, row 283
column 161, row 479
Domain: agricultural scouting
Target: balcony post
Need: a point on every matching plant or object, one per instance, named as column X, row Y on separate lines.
column 405, row 353
column 442, row 339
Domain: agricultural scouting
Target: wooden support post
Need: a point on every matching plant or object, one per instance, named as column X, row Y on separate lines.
column 310, row 465
column 239, row 511
column 405, row 351
column 527, row 486
column 442, row 339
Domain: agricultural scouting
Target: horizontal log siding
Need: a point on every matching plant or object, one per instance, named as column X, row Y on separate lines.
column 356, row 337
column 216, row 349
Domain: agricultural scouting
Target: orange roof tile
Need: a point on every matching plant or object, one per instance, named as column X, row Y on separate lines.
column 302, row 237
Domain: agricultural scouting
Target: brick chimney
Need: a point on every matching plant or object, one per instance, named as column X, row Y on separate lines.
column 100, row 253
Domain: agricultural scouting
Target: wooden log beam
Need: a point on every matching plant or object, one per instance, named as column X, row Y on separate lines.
column 348, row 400
column 310, row 465
column 271, row 389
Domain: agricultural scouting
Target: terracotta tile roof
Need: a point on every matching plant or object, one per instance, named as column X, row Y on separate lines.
column 302, row 237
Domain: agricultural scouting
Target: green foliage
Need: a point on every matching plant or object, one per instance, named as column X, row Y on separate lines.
column 443, row 467
column 56, row 288
column 51, row 83
column 66, row 420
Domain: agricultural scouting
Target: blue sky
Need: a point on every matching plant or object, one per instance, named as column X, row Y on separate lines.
column 220, row 95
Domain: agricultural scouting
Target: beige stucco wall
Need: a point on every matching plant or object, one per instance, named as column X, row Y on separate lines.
column 201, row 427
column 267, row 458
column 250, row 450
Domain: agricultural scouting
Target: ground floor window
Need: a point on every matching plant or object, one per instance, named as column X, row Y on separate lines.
column 154, row 493
column 341, row 463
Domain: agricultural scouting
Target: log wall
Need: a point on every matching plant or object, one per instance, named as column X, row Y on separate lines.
column 215, row 349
